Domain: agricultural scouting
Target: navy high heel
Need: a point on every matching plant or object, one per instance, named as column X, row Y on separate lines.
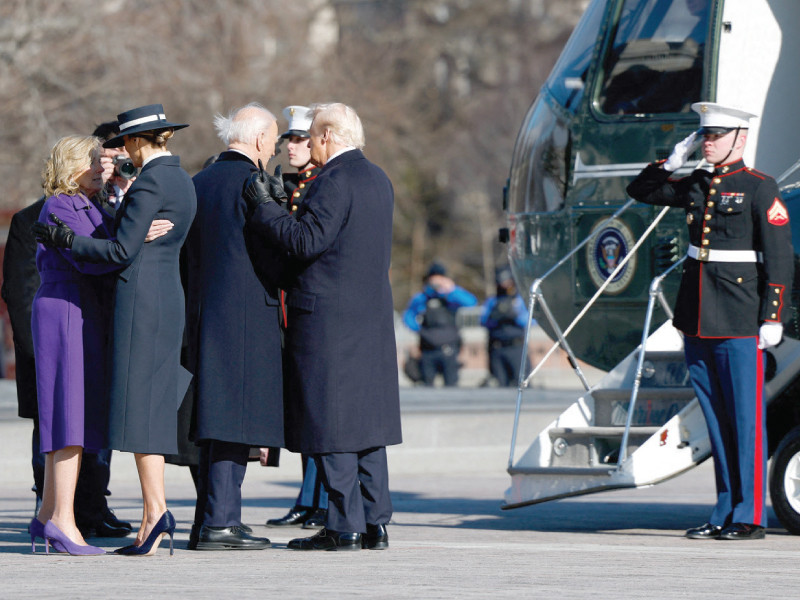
column 166, row 524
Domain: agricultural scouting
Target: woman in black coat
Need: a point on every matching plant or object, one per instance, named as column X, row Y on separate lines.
column 147, row 381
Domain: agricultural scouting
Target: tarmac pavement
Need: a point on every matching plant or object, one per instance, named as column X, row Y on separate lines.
column 449, row 537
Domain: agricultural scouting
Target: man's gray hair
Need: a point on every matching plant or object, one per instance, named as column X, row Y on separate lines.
column 243, row 124
column 342, row 121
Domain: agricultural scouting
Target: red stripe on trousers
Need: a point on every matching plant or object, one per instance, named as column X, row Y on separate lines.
column 758, row 470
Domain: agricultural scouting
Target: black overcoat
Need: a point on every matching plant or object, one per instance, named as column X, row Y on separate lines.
column 147, row 380
column 20, row 282
column 341, row 372
column 232, row 318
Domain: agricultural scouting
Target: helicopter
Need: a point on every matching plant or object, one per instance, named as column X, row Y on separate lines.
column 603, row 270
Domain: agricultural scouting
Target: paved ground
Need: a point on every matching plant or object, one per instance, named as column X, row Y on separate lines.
column 449, row 537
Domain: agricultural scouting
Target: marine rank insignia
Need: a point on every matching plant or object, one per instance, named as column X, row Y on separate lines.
column 777, row 213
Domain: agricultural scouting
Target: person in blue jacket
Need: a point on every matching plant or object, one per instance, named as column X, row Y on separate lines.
column 505, row 317
column 432, row 314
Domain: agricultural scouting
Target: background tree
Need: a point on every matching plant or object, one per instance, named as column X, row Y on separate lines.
column 441, row 85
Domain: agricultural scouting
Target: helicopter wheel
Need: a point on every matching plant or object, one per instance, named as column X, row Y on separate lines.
column 784, row 481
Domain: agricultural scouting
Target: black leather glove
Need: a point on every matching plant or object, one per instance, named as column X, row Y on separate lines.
column 276, row 188
column 53, row 236
column 262, row 188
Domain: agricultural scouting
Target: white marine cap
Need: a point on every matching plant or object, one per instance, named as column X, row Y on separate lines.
column 716, row 119
column 299, row 121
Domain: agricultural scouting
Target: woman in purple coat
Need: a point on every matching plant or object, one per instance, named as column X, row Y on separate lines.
column 70, row 326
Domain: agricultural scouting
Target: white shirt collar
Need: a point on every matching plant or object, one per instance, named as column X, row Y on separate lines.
column 156, row 155
column 250, row 158
column 340, row 152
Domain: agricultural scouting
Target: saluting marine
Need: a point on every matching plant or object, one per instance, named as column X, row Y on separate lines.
column 733, row 297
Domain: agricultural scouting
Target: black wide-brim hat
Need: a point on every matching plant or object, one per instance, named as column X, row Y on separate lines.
column 138, row 120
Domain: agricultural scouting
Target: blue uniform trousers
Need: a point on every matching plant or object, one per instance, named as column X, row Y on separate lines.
column 312, row 493
column 728, row 377
column 358, row 489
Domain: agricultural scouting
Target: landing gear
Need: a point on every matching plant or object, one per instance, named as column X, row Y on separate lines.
column 784, row 481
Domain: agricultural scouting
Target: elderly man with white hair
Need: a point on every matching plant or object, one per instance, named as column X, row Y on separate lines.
column 341, row 374
column 233, row 332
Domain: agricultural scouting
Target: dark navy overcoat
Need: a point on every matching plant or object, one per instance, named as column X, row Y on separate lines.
column 232, row 318
column 341, row 371
column 147, row 380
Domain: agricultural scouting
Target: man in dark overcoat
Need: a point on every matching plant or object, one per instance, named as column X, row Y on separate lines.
column 311, row 508
column 20, row 282
column 233, row 330
column 341, row 373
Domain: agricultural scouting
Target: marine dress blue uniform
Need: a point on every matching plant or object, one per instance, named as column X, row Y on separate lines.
column 737, row 276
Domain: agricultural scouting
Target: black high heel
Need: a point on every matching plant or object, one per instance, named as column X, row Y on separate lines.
column 166, row 524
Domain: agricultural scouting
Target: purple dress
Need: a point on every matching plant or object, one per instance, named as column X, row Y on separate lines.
column 70, row 322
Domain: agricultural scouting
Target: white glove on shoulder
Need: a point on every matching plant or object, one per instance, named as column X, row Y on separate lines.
column 682, row 151
column 769, row 334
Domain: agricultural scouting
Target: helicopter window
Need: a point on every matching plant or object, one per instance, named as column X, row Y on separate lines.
column 539, row 166
column 569, row 74
column 655, row 64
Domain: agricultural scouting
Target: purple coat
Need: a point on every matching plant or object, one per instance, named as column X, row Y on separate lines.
column 70, row 323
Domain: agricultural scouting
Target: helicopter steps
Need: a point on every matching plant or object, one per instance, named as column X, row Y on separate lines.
column 578, row 453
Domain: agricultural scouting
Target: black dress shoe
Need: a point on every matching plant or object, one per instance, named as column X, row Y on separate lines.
column 112, row 519
column 228, row 538
column 295, row 516
column 316, row 520
column 328, row 540
column 109, row 527
column 707, row 531
column 376, row 538
column 742, row 531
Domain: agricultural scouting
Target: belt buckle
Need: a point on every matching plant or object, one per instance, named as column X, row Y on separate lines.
column 702, row 254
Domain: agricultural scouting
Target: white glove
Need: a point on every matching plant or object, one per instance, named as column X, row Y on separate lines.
column 769, row 334
column 682, row 151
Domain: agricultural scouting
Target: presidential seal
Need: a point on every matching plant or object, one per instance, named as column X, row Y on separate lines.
column 606, row 251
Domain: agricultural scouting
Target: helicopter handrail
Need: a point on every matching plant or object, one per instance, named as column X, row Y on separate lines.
column 561, row 342
column 788, row 172
column 655, row 293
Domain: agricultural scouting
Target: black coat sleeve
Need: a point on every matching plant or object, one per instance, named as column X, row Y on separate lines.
column 653, row 186
column 20, row 282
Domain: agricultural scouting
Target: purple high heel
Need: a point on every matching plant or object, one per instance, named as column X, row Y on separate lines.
column 54, row 535
column 36, row 529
